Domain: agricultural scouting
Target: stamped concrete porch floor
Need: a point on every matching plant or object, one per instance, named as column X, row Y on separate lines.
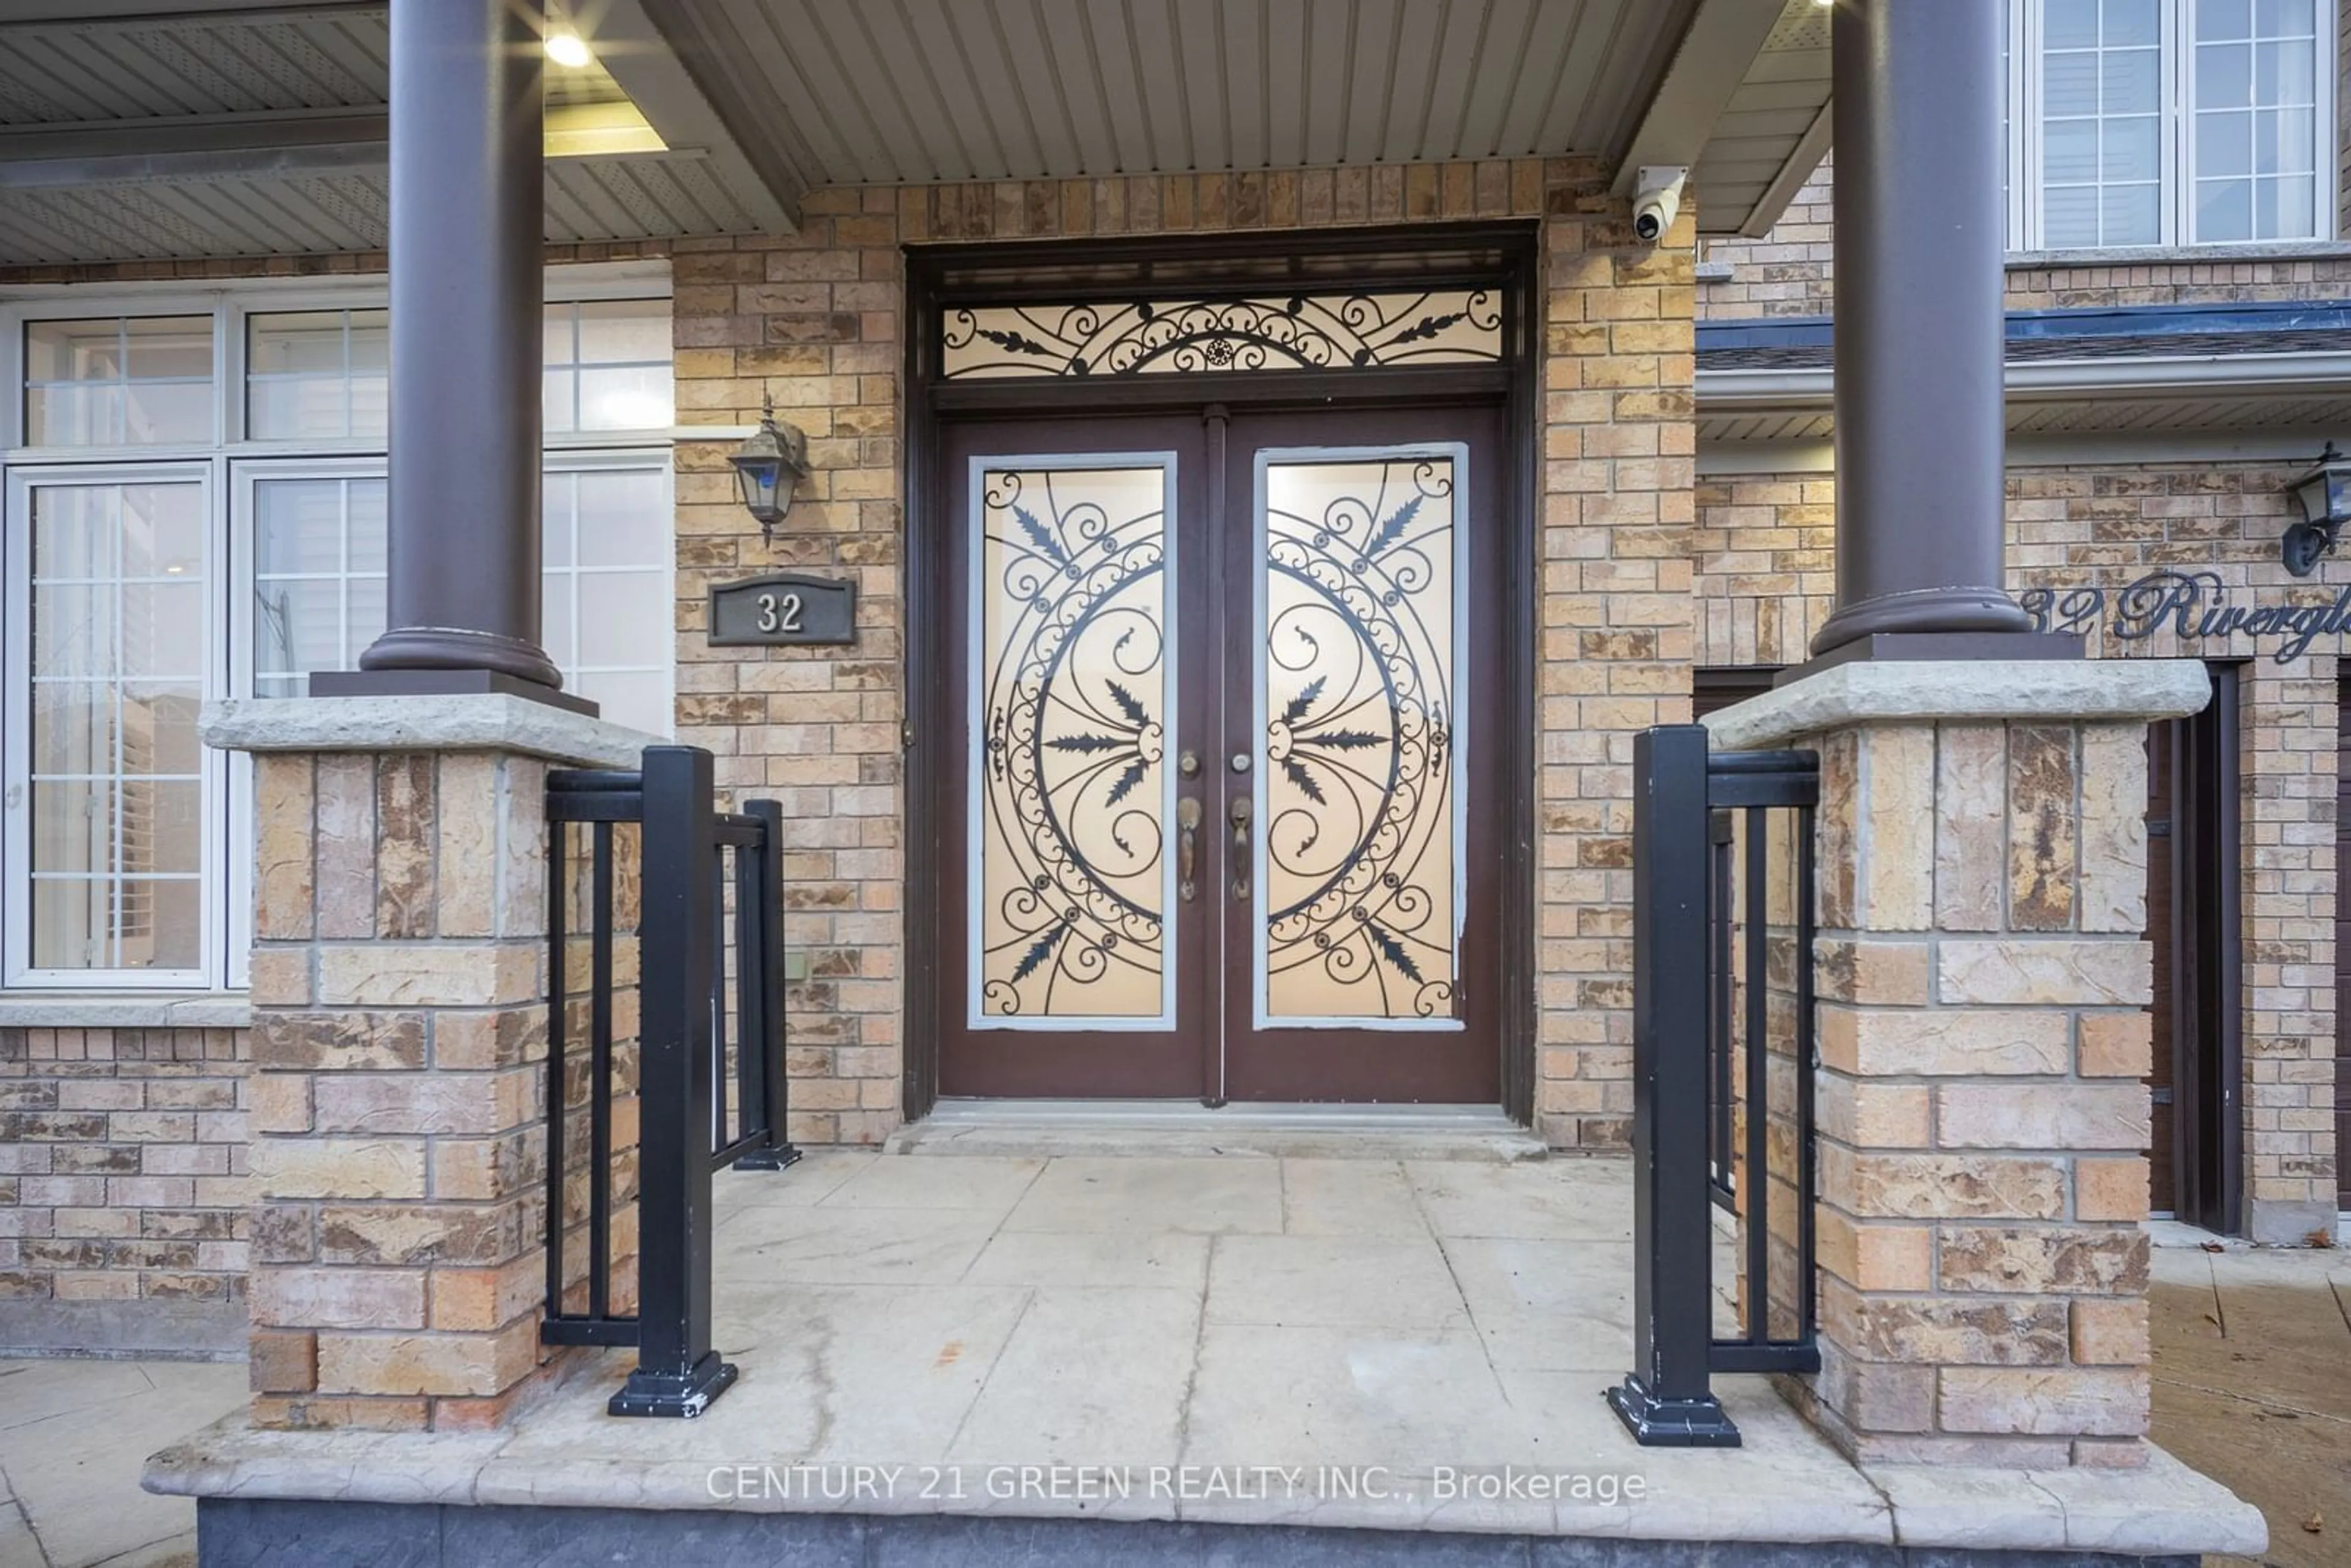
column 1324, row 1341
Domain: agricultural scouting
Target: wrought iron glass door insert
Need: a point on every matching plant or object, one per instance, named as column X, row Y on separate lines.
column 1222, row 828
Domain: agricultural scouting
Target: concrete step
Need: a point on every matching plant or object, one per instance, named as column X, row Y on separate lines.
column 1164, row 1128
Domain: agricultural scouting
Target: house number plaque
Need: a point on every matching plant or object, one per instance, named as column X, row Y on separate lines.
column 783, row 609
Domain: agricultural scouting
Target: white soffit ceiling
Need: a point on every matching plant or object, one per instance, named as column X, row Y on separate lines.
column 1774, row 132
column 885, row 91
column 103, row 100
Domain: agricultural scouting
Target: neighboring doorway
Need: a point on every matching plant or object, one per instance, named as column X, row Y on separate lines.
column 1224, row 818
column 2343, row 949
column 2192, row 910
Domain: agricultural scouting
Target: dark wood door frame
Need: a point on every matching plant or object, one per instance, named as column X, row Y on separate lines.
column 2207, row 979
column 1500, row 254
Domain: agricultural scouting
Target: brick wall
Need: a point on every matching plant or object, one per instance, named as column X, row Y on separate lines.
column 122, row 1159
column 1792, row 271
column 812, row 319
column 1764, row 576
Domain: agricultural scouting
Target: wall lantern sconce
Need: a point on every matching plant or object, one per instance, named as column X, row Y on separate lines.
column 2326, row 496
column 768, row 466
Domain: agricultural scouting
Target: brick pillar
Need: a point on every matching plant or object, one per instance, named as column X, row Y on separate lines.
column 398, row 985
column 1983, row 988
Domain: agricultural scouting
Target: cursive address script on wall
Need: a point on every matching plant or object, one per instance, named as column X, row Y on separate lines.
column 2191, row 606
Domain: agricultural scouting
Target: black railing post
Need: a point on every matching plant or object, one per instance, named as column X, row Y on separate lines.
column 678, row 1373
column 1667, row 1400
column 763, row 938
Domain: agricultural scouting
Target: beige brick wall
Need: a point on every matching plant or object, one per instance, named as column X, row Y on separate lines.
column 1792, row 271
column 122, row 1165
column 1765, row 580
column 1983, row 995
column 400, row 972
column 812, row 319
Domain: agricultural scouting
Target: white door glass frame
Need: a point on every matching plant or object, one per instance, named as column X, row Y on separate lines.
column 17, row 968
column 1457, row 825
column 975, row 656
column 2176, row 205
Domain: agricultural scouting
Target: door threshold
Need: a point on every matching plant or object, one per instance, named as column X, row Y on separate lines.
column 1045, row 1128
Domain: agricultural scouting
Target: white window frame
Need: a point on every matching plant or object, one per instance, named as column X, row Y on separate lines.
column 17, row 969
column 229, row 465
column 587, row 461
column 2176, row 204
column 246, row 473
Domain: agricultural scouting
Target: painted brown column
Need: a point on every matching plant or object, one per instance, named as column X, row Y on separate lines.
column 466, row 226
column 1921, row 439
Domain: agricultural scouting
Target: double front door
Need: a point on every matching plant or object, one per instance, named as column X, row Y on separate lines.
column 1220, row 824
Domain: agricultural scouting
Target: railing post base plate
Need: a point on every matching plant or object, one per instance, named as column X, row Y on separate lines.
column 671, row 1394
column 1658, row 1423
column 769, row 1159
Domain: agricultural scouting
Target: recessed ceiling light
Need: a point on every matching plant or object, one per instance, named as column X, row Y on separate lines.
column 566, row 49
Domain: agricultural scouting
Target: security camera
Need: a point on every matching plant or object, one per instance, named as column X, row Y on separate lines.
column 1657, row 197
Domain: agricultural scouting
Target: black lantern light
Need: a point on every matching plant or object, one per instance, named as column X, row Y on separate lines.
column 769, row 465
column 2326, row 496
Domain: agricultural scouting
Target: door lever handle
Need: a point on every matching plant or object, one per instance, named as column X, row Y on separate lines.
column 1239, row 818
column 1188, row 845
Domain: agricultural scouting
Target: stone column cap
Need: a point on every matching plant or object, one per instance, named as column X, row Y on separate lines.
column 475, row 722
column 1940, row 691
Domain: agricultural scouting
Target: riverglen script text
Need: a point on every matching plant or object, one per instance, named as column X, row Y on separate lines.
column 2190, row 606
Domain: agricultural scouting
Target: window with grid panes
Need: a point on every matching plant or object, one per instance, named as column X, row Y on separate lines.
column 2139, row 123
column 195, row 507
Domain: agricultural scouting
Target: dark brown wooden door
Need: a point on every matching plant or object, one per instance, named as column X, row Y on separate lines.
column 2343, row 949
column 1071, row 614
column 2163, row 1193
column 1363, row 839
column 1219, row 827
column 2194, row 920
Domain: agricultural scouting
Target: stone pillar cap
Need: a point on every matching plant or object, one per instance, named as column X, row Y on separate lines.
column 477, row 722
column 1943, row 691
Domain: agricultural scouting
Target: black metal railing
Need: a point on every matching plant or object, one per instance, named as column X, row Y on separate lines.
column 1723, row 868
column 700, row 966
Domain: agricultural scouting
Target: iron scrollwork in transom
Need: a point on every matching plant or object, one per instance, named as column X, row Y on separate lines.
column 1306, row 331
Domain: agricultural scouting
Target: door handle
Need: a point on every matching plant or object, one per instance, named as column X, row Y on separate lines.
column 1239, row 818
column 1188, row 845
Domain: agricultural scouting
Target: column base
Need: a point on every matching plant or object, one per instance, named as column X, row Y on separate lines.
column 1925, row 612
column 442, row 683
column 677, row 1396
column 1658, row 1423
column 774, row 1159
column 458, row 648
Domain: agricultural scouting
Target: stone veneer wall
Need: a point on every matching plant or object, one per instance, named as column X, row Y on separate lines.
column 812, row 319
column 1765, row 577
column 123, row 1188
column 1792, row 271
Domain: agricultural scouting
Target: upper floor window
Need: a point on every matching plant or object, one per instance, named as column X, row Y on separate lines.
column 2168, row 122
